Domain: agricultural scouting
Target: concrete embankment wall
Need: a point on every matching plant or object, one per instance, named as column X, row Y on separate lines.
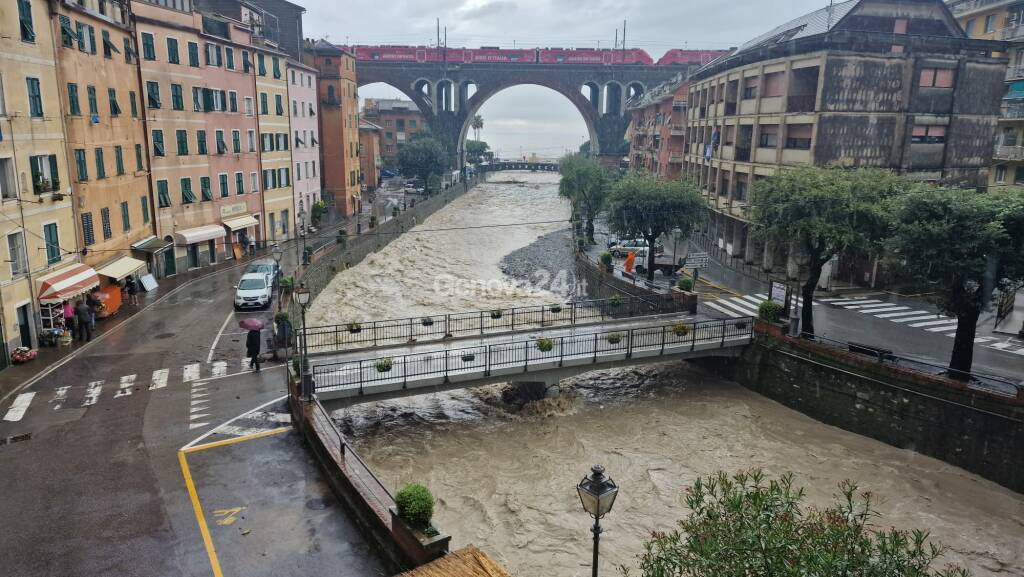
column 977, row 431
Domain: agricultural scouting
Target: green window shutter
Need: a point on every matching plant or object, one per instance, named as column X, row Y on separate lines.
column 134, row 104
column 236, row 141
column 28, row 33
column 94, row 107
column 201, row 142
column 119, row 159
column 177, row 97
column 208, row 99
column 138, row 158
column 126, row 223
column 239, row 183
column 67, row 34
column 108, row 232
column 246, row 63
column 158, row 143
column 172, row 51
column 145, row 209
column 182, row 137
column 148, row 48
column 80, row 165
column 35, row 98
column 89, row 236
column 223, row 179
column 74, row 107
column 82, row 36
column 52, row 239
column 107, row 44
column 115, row 108
column 92, row 40
column 262, row 64
column 229, row 57
column 193, row 54
column 101, row 168
column 153, row 94
column 205, row 188
column 163, row 195
column 186, row 191
column 277, row 67
column 37, row 173
column 54, row 172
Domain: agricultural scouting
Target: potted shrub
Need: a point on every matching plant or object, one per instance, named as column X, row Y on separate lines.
column 556, row 309
column 614, row 338
column 288, row 284
column 373, row 222
column 342, row 238
column 769, row 311
column 616, row 300
column 496, row 314
column 415, row 506
column 607, row 260
column 683, row 294
column 681, row 329
column 468, row 358
column 545, row 345
column 355, row 328
column 384, row 365
column 394, row 212
column 427, row 321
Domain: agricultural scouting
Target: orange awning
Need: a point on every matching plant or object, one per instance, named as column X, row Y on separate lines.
column 67, row 283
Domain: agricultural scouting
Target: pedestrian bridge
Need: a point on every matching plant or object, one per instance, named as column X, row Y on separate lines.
column 532, row 166
column 535, row 352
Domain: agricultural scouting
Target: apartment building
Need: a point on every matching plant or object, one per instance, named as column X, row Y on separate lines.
column 658, row 130
column 42, row 267
column 275, row 142
column 339, row 124
column 97, row 69
column 304, row 118
column 1002, row 20
column 866, row 83
column 370, row 161
column 400, row 119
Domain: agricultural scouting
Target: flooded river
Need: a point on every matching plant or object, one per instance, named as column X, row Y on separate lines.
column 504, row 476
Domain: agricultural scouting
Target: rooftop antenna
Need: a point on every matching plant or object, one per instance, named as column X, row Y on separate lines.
column 623, row 36
column 616, row 38
column 831, row 6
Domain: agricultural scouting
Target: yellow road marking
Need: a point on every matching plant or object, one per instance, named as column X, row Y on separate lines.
column 227, row 516
column 211, row 552
column 234, row 440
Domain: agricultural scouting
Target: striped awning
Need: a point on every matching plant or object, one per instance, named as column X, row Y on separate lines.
column 66, row 283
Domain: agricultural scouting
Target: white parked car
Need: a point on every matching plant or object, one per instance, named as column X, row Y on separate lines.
column 253, row 292
column 624, row 247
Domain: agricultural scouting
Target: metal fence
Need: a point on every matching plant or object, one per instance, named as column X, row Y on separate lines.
column 332, row 338
column 485, row 360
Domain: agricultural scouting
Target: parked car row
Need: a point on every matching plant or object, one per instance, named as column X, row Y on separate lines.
column 621, row 248
column 255, row 290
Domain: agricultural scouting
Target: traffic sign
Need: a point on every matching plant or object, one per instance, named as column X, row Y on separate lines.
column 698, row 260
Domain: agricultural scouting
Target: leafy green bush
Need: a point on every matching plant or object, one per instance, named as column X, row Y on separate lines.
column 384, row 365
column 355, row 328
column 342, row 238
column 769, row 311
column 280, row 317
column 415, row 505
column 545, row 345
column 288, row 283
column 606, row 258
column 616, row 300
column 685, row 284
column 373, row 222
column 681, row 329
column 556, row 309
column 496, row 314
column 614, row 338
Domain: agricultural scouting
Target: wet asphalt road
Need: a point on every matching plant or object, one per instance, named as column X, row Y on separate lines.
column 97, row 489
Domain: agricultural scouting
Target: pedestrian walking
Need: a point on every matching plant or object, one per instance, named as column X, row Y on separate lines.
column 83, row 318
column 252, row 349
column 93, row 303
column 252, row 247
column 133, row 290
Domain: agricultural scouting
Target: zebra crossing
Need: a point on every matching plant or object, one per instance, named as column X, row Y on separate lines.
column 743, row 306
column 913, row 317
column 196, row 375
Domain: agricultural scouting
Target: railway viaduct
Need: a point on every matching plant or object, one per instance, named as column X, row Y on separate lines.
column 450, row 94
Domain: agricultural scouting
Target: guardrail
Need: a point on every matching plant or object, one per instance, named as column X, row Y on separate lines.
column 332, row 338
column 485, row 361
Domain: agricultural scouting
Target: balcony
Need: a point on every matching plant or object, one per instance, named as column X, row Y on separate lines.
column 801, row 103
column 965, row 6
column 742, row 154
column 675, row 157
column 1013, row 33
column 1008, row 153
column 1013, row 110
column 677, row 129
column 1014, row 73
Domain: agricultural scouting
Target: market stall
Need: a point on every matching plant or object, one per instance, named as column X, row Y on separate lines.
column 115, row 272
column 65, row 285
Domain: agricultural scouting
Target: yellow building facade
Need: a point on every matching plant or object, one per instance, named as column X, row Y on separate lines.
column 275, row 144
column 36, row 214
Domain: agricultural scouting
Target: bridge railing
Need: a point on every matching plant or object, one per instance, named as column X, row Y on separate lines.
column 442, row 366
column 332, row 338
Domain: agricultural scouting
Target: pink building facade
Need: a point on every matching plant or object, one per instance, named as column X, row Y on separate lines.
column 303, row 115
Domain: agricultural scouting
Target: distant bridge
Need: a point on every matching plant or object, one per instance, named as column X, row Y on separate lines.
column 529, row 345
column 533, row 166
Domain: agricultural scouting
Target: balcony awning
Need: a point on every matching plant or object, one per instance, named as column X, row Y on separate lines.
column 240, row 222
column 66, row 283
column 152, row 245
column 121, row 267
column 200, row 233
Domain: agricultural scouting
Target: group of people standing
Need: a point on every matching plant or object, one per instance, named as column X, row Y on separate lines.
column 80, row 317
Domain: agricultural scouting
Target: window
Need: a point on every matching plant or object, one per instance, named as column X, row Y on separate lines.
column 177, row 98
column 119, row 159
column 163, row 195
column 969, row 28
column 229, row 58
column 264, row 109
column 153, row 94
column 232, row 101
column 928, row 135
column 1001, row 174
column 81, row 167
column 108, row 233
column 126, row 223
column 298, row 141
column 774, row 84
column 35, row 98
column 254, row 182
column 144, row 200
column 193, row 55
column 134, row 104
column 67, row 34
column 412, row 123
column 798, row 136
column 16, row 249
column 94, row 107
column 900, row 26
column 295, row 107
column 108, row 46
column 750, row 88
column 115, row 108
column 52, row 239
column 8, row 184
column 205, row 189
column 28, row 33
column 277, row 67
column 197, row 99
column 222, row 147
column 74, row 107
column 990, row 23
column 279, row 104
column 158, row 143
column 246, row 63
column 248, row 106
column 129, row 51
column 239, row 183
column 138, row 158
column 44, row 173
column 172, row 51
column 252, row 140
column 222, row 179
column 148, row 48
column 182, row 138
column 101, row 169
column 187, row 197
column 201, row 142
column 769, row 136
column 236, row 141
column 293, row 77
column 88, row 235
column 213, row 55
column 937, row 77
column 261, row 64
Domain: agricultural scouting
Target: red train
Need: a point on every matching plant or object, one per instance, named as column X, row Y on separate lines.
column 492, row 54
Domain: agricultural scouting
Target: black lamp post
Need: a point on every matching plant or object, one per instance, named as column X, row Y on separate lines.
column 597, row 494
column 278, row 254
column 302, row 296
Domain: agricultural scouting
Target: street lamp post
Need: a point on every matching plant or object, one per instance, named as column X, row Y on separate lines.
column 302, row 297
column 597, row 494
column 278, row 254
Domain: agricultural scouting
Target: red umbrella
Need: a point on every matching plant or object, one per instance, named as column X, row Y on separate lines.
column 251, row 324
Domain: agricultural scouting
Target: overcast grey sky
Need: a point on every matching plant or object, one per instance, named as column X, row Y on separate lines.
column 531, row 118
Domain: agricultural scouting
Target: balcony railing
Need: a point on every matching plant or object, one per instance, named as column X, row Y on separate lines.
column 730, row 109
column 972, row 5
column 742, row 154
column 1013, row 32
column 1013, row 110
column 1009, row 152
column 1015, row 73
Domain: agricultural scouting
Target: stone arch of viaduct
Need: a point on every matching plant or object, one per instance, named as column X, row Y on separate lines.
column 449, row 95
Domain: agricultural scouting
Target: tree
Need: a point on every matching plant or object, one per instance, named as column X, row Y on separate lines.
column 423, row 157
column 821, row 212
column 477, row 125
column 586, row 184
column 477, row 151
column 646, row 207
column 747, row 524
column 963, row 245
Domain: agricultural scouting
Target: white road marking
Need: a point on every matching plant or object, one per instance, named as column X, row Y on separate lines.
column 894, row 316
column 757, row 301
column 740, row 305
column 1019, row 352
column 195, row 410
column 280, row 417
column 837, row 300
column 861, row 304
column 191, row 373
column 869, row 308
column 874, row 312
column 60, row 394
column 982, row 340
column 159, row 379
column 193, row 426
column 933, row 323
column 19, row 406
column 127, row 382
column 944, row 329
column 931, row 316
column 245, row 364
column 237, row 431
column 1001, row 346
column 92, row 393
column 196, row 395
column 203, row 437
column 213, row 347
column 220, row 368
column 723, row 311
column 194, row 403
column 842, row 302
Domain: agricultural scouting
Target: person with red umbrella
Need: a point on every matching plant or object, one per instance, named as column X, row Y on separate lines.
column 252, row 341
